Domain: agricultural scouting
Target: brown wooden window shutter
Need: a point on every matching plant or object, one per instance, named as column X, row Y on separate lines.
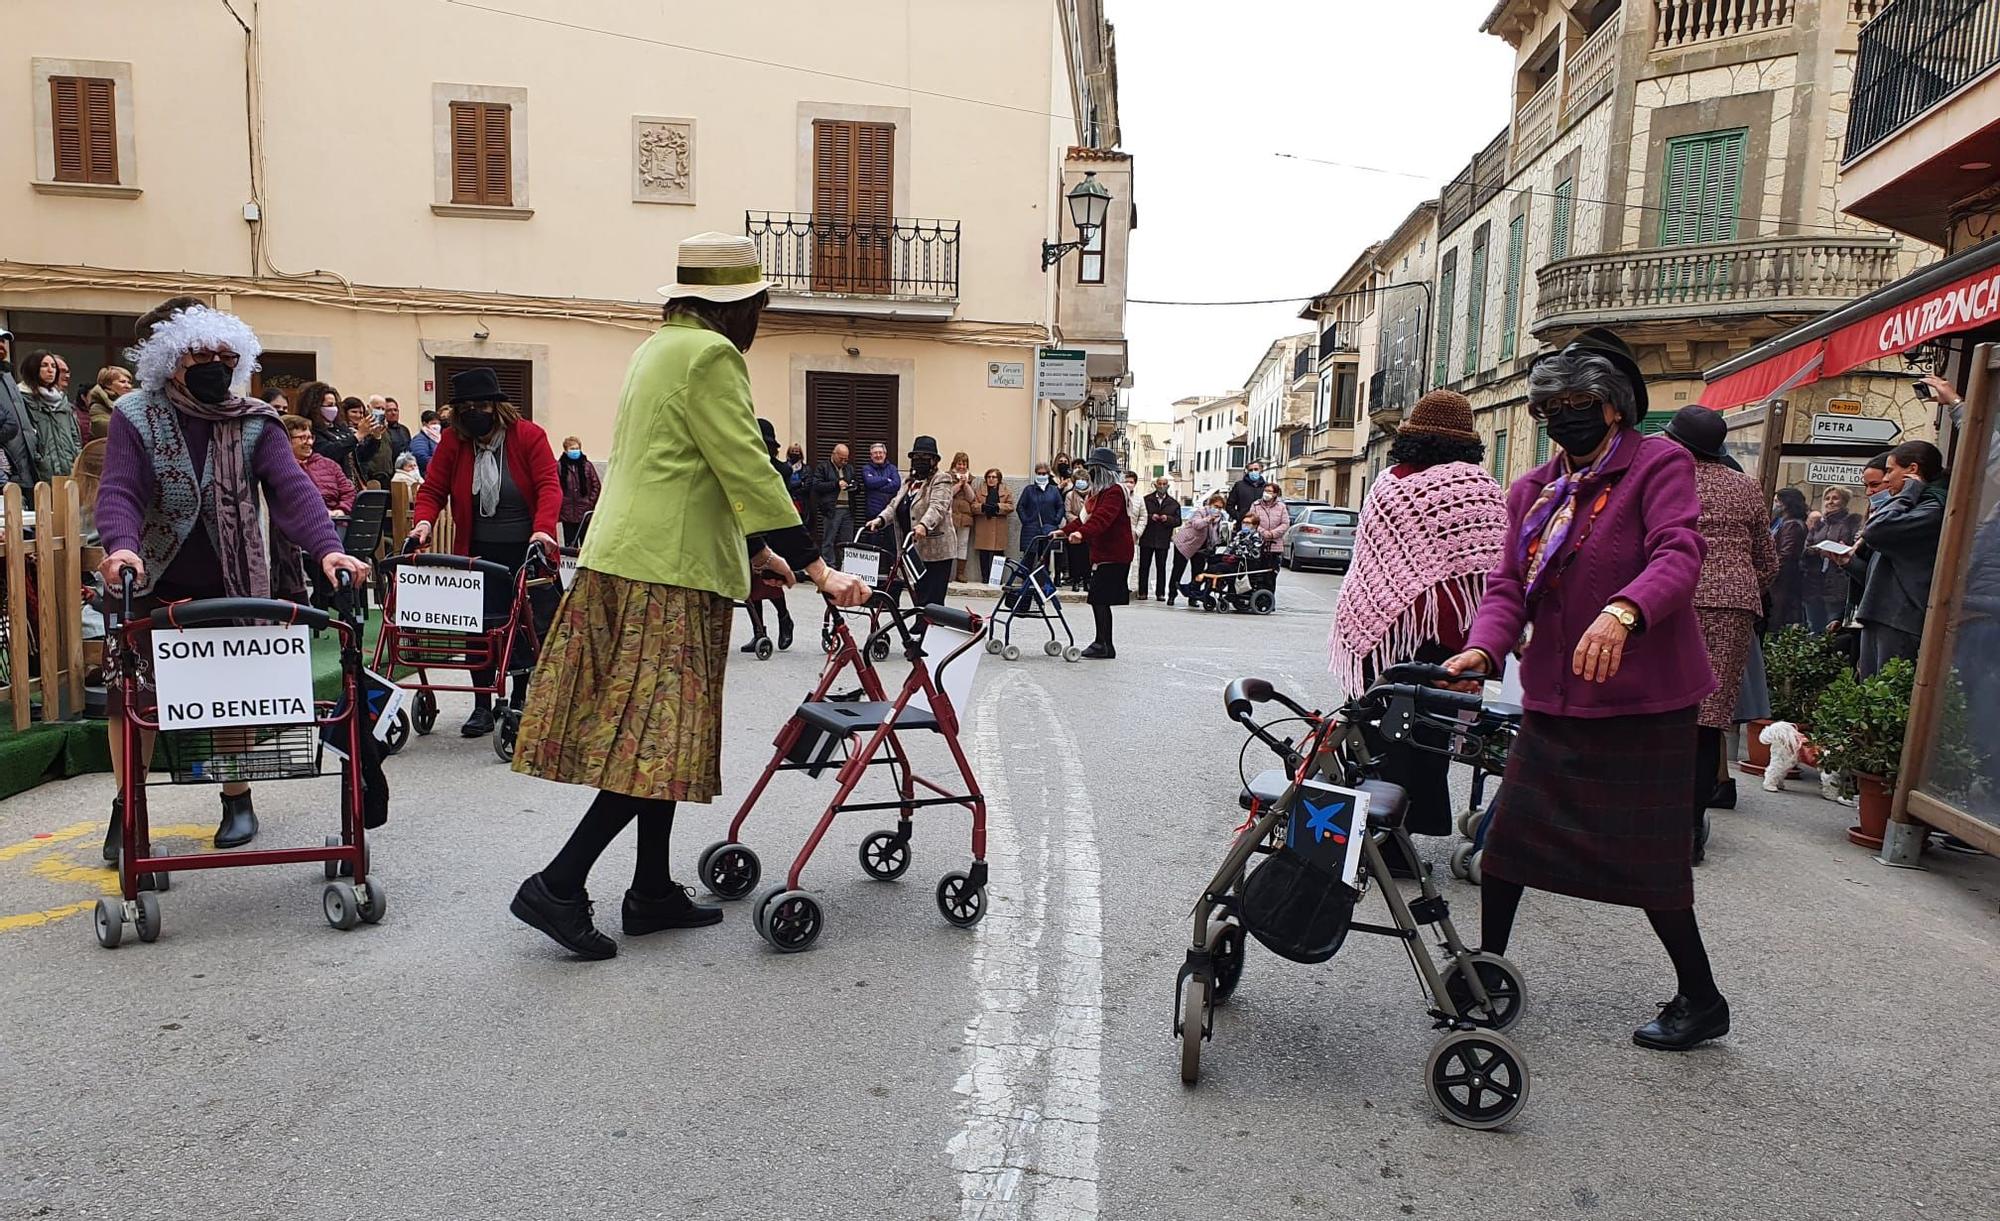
column 482, row 169
column 851, row 409
column 854, row 190
column 516, row 378
column 86, row 129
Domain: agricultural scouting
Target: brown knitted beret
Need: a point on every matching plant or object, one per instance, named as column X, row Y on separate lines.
column 1441, row 413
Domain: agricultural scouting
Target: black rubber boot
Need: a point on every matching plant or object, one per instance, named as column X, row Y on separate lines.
column 676, row 909
column 239, row 822
column 114, row 835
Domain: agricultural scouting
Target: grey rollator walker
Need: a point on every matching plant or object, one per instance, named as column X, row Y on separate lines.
column 1475, row 1076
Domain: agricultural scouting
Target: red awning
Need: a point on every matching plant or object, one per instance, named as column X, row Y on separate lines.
column 1961, row 293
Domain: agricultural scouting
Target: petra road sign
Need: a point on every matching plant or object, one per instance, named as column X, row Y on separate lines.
column 1871, row 430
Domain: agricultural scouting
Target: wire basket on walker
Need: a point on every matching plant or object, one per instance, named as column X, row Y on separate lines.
column 1320, row 824
column 1028, row 591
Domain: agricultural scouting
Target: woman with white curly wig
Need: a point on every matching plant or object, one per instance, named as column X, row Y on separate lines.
column 188, row 462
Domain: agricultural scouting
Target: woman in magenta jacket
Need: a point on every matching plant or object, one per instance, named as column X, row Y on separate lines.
column 497, row 473
column 1602, row 558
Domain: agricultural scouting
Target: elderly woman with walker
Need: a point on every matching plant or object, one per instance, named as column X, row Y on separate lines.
column 1602, row 558
column 627, row 697
column 1105, row 529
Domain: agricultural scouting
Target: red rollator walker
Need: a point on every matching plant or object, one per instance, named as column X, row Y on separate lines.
column 853, row 731
column 287, row 749
column 492, row 646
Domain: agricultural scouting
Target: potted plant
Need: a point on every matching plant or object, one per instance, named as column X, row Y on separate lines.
column 1858, row 726
column 1798, row 666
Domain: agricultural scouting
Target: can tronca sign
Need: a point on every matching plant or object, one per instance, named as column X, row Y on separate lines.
column 1958, row 306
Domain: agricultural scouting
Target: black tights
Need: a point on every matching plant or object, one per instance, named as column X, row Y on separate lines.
column 601, row 823
column 1102, row 614
column 1707, row 767
column 1676, row 929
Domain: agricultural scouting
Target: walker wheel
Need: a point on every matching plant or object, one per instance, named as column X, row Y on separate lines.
column 1476, row 1079
column 341, row 869
column 1072, row 653
column 881, row 649
column 341, row 905
column 1194, row 1020
column 993, row 645
column 399, row 734
column 1262, row 601
column 374, row 901
column 1472, row 865
column 1011, row 652
column 828, row 642
column 1226, row 951
column 959, row 901
column 885, row 855
column 729, row 870
column 765, row 648
column 1461, row 859
column 1052, row 647
column 110, row 922
column 147, row 922
column 425, row 712
column 791, row 921
column 1504, row 990
column 1468, row 824
column 504, row 734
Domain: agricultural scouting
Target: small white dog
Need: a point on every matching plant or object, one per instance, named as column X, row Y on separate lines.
column 1787, row 744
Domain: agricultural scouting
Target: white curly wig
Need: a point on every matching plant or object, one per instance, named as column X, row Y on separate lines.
column 197, row 328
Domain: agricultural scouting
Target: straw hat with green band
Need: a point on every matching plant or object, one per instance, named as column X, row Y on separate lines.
column 717, row 267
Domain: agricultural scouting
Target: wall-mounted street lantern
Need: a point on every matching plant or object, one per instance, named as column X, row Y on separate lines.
column 1089, row 203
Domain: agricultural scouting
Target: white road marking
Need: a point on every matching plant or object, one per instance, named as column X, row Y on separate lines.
column 1032, row 1090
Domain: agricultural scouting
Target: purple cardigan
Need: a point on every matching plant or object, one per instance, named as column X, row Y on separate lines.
column 293, row 503
column 1645, row 547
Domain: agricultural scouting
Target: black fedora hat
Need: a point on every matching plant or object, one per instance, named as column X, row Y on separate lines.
column 925, row 445
column 1104, row 456
column 1699, row 429
column 480, row 385
column 1597, row 341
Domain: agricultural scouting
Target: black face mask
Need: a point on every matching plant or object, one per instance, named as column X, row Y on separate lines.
column 209, row 383
column 474, row 423
column 1579, row 432
column 923, row 468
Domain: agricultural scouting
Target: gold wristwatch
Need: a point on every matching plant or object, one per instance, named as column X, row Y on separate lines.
column 1622, row 615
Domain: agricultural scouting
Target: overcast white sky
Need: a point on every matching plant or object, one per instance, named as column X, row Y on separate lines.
column 1210, row 94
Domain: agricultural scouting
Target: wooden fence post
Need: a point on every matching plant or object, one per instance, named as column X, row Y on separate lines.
column 69, row 507
column 12, row 537
column 49, row 636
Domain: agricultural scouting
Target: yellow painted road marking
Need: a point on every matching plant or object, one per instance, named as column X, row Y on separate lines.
column 64, row 869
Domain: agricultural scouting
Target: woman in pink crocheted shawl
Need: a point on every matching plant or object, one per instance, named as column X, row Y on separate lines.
column 1432, row 527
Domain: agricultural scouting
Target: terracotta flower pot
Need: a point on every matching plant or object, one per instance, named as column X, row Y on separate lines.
column 1875, row 798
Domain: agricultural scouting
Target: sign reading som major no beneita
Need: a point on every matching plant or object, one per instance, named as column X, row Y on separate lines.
column 214, row 677
column 440, row 599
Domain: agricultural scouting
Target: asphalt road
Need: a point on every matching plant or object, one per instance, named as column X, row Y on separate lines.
column 449, row 1063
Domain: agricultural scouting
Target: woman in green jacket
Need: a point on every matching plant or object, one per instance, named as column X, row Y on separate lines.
column 627, row 697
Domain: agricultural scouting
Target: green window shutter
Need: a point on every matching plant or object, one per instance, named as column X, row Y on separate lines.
column 1703, row 188
column 1447, row 284
column 1541, row 444
column 1475, row 302
column 1510, row 293
column 1559, row 221
column 1655, row 422
column 1499, row 455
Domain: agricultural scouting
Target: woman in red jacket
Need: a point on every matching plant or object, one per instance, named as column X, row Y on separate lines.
column 497, row 473
column 1107, row 531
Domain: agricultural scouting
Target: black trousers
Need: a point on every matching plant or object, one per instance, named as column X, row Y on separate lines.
column 935, row 584
column 542, row 603
column 1151, row 560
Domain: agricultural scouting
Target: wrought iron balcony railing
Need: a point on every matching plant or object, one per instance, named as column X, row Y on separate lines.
column 1912, row 56
column 1764, row 275
column 1338, row 338
column 806, row 252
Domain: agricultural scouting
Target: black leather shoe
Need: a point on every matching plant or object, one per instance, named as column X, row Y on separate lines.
column 784, row 635
column 676, row 909
column 478, row 725
column 1724, row 797
column 114, row 835
column 1682, row 1025
column 239, row 822
column 566, row 921
column 1099, row 652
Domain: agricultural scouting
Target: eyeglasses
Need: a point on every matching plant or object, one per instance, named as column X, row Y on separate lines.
column 202, row 358
column 1566, row 404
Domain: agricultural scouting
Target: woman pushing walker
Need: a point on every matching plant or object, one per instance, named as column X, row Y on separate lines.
column 627, row 697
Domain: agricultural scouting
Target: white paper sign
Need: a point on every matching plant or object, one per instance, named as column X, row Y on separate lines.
column 996, row 573
column 208, row 677
column 568, row 568
column 864, row 564
column 440, row 599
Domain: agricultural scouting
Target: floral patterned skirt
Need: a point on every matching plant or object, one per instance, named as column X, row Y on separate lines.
column 628, row 693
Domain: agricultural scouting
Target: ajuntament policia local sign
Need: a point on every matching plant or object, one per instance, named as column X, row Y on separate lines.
column 215, row 677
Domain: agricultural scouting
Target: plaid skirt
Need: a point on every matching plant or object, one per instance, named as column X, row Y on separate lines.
column 627, row 695
column 1599, row 808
